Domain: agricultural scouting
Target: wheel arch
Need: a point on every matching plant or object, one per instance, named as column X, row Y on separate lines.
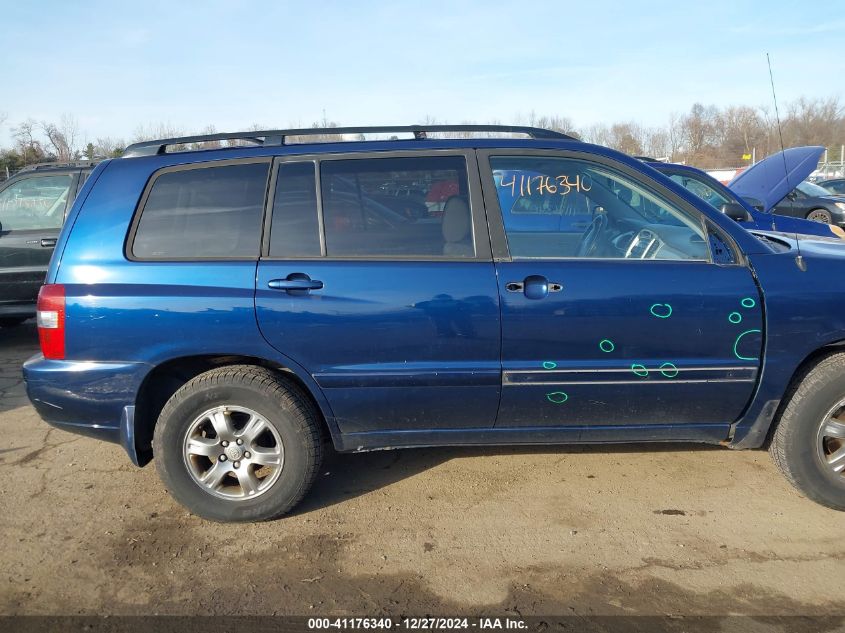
column 759, row 434
column 167, row 377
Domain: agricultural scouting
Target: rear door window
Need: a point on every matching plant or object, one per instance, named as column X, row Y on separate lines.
column 35, row 203
column 397, row 207
column 205, row 212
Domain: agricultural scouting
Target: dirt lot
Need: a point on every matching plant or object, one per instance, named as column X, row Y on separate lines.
column 598, row 530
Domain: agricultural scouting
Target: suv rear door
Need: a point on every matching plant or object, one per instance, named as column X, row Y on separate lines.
column 32, row 210
column 388, row 299
column 632, row 324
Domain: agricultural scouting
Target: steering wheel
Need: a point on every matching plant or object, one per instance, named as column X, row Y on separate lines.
column 590, row 240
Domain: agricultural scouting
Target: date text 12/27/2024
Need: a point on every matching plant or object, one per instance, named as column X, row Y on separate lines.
column 416, row 624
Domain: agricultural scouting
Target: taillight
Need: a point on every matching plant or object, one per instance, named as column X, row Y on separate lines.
column 51, row 321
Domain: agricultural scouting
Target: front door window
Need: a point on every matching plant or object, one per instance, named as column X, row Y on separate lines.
column 568, row 208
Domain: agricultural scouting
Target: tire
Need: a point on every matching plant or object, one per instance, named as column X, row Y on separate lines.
column 12, row 321
column 236, row 399
column 805, row 442
column 820, row 215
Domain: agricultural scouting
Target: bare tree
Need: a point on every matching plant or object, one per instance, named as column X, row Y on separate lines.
column 62, row 137
column 107, row 147
column 700, row 128
column 28, row 146
column 656, row 143
column 675, row 135
column 325, row 137
column 811, row 121
column 597, row 133
column 208, row 130
column 153, row 131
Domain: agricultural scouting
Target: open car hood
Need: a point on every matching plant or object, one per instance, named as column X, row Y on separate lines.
column 768, row 182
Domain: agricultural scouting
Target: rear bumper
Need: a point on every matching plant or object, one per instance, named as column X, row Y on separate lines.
column 96, row 399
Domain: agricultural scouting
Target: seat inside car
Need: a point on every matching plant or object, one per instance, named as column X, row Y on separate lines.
column 457, row 228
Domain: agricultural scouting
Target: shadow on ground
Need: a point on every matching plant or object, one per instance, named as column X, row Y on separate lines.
column 345, row 476
column 16, row 345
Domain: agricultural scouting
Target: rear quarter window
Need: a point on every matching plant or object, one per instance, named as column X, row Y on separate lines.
column 205, row 212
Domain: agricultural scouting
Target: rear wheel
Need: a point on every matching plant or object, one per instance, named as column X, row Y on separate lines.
column 238, row 443
column 808, row 444
column 12, row 321
column 820, row 215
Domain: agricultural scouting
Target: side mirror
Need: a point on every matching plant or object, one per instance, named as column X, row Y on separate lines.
column 792, row 195
column 736, row 211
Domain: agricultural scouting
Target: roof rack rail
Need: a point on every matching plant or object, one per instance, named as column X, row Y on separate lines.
column 277, row 137
column 56, row 165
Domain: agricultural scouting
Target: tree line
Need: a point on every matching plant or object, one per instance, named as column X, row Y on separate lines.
column 707, row 136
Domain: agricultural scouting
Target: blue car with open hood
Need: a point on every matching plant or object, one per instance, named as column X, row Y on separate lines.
column 777, row 185
column 770, row 185
column 228, row 312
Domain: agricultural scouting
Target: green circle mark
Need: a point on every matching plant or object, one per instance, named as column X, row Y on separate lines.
column 639, row 370
column 734, row 317
column 736, row 344
column 669, row 370
column 661, row 310
column 549, row 364
column 557, row 397
column 748, row 302
column 606, row 345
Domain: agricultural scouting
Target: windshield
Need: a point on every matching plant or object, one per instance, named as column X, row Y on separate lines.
column 814, row 191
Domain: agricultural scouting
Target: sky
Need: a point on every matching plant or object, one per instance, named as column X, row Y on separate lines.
column 118, row 65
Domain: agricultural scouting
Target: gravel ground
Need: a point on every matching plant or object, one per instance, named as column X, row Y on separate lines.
column 647, row 530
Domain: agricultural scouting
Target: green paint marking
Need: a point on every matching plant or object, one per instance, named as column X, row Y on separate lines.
column 606, row 345
column 549, row 364
column 748, row 302
column 661, row 310
column 734, row 317
column 639, row 370
column 557, row 397
column 669, row 370
column 736, row 344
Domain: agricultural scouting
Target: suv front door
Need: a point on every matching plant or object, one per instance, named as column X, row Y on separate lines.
column 32, row 210
column 377, row 279
column 628, row 323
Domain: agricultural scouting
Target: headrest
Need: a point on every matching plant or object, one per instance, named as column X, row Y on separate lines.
column 457, row 221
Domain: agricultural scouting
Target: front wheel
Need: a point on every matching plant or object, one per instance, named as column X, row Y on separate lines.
column 820, row 215
column 808, row 444
column 238, row 443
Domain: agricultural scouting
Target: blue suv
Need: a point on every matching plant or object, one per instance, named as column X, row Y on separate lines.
column 229, row 310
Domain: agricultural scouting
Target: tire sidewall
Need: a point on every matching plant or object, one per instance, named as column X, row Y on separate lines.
column 170, row 438
column 829, row 215
column 802, row 438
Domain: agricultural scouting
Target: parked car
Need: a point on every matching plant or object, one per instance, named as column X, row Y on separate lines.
column 767, row 188
column 33, row 204
column 225, row 310
column 835, row 186
column 720, row 197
